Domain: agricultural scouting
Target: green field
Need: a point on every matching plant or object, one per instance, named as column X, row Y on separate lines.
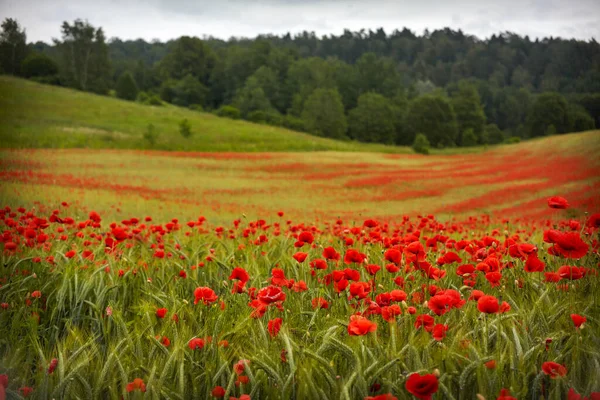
column 42, row 116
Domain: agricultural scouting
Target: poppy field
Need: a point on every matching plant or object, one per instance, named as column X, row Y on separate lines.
column 130, row 274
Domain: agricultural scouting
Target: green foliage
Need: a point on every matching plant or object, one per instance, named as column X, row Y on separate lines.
column 185, row 128
column 86, row 64
column 549, row 109
column 372, row 120
column 13, row 47
column 293, row 123
column 154, row 100
column 188, row 56
column 227, row 111
column 421, row 144
column 492, row 135
column 580, row 119
column 469, row 138
column 469, row 113
column 126, row 87
column 433, row 116
column 184, row 92
column 252, row 98
column 323, row 114
column 512, row 140
column 151, row 134
column 39, row 65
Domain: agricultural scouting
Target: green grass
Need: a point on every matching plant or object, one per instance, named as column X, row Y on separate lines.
column 33, row 115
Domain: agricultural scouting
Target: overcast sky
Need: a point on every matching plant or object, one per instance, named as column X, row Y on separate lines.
column 168, row 19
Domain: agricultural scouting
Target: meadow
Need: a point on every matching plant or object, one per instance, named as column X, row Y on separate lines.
column 352, row 273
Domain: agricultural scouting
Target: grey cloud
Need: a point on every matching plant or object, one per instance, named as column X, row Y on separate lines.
column 167, row 19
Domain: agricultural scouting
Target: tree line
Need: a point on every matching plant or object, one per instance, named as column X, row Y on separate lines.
column 370, row 86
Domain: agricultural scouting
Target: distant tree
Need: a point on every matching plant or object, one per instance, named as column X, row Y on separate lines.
column 433, row 116
column 421, row 144
column 185, row 128
column 184, row 92
column 40, row 66
column 188, row 56
column 469, row 112
column 13, row 46
column 579, row 118
column 591, row 103
column 229, row 112
column 251, row 98
column 126, row 88
column 549, row 109
column 469, row 138
column 85, row 57
column 372, row 120
column 492, row 134
column 323, row 114
column 268, row 81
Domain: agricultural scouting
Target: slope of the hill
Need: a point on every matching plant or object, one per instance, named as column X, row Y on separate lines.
column 33, row 115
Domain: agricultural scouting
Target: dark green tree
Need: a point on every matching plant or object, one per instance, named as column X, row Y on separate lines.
column 372, row 120
column 323, row 114
column 433, row 116
column 185, row 92
column 126, row 87
column 188, row 56
column 492, row 134
column 86, row 64
column 469, row 112
column 580, row 119
column 251, row 98
column 41, row 67
column 185, row 128
column 549, row 109
column 13, row 46
column 421, row 145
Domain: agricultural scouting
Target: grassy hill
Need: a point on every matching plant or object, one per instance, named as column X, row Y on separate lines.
column 33, row 115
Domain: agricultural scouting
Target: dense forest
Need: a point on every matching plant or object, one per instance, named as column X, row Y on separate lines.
column 441, row 88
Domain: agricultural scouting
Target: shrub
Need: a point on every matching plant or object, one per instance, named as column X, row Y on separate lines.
column 154, row 100
column 142, row 97
column 257, row 116
column 469, row 138
column 492, row 134
column 512, row 139
column 293, row 123
column 38, row 65
column 151, row 135
column 421, row 144
column 185, row 128
column 196, row 107
column 229, row 112
column 126, row 87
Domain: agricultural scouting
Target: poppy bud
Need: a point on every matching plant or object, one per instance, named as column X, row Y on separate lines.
column 436, row 372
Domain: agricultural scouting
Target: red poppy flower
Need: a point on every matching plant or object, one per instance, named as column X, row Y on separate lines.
column 320, row 302
column 37, row 294
column 372, row 269
column 218, row 392
column 4, row 380
column 488, row 304
column 137, row 384
column 240, row 366
column 161, row 312
column 300, row 256
column 439, row 304
column 552, row 277
column 393, row 256
column 398, row 295
column 274, row 326
column 594, row 221
column 425, row 321
column 422, row 386
column 572, row 273
column 505, row 395
column 490, row 364
column 278, row 277
column 554, row 370
column 270, row 294
column 387, row 396
column 389, row 313
column 439, row 332
column 558, row 202
column 206, row 294
column 318, row 264
column 578, row 320
column 306, row 237
column 52, row 366
column 534, row 264
column 26, row 391
column 240, row 274
column 196, row 343
column 354, row 256
column 568, row 245
column 493, row 278
column 330, row 254
column 359, row 326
